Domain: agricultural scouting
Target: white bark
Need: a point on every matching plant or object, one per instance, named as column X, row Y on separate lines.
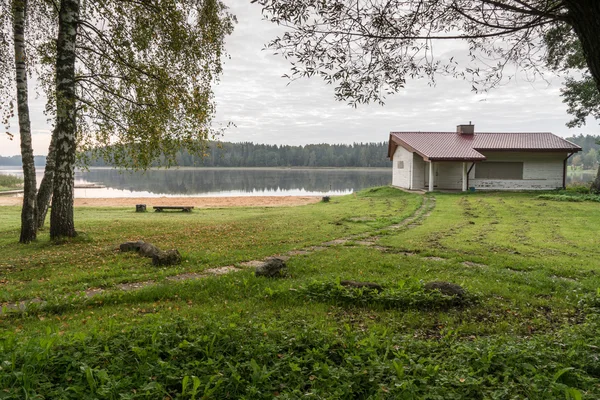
column 61, row 215
column 28, row 212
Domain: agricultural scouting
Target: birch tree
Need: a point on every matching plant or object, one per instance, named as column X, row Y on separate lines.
column 28, row 213
column 133, row 82
column 23, row 27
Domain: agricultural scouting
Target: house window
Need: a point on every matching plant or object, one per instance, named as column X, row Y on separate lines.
column 400, row 164
column 499, row 170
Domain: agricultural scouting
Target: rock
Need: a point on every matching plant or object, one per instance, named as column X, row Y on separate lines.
column 148, row 250
column 273, row 267
column 131, row 246
column 447, row 288
column 169, row 257
column 370, row 285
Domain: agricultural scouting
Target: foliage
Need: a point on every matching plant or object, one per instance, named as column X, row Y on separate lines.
column 580, row 93
column 40, row 23
column 573, row 197
column 368, row 50
column 8, row 182
column 212, row 359
column 145, row 79
column 532, row 333
column 578, row 188
column 403, row 295
column 227, row 154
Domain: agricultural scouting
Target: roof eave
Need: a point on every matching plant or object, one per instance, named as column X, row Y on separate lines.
column 400, row 142
column 538, row 150
column 437, row 159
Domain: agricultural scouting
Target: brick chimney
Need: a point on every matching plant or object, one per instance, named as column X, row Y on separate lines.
column 465, row 129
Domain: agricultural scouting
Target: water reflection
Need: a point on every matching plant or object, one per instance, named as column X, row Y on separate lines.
column 240, row 182
column 236, row 181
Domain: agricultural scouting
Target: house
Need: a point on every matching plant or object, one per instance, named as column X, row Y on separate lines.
column 466, row 159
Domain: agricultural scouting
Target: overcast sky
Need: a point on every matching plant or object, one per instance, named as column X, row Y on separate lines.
column 265, row 109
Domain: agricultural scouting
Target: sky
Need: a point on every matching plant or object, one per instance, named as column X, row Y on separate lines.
column 266, row 108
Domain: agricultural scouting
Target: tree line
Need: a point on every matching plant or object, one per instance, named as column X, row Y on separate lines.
column 588, row 157
column 247, row 154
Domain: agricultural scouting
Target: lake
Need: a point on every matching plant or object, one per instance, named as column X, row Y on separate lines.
column 224, row 181
column 236, row 181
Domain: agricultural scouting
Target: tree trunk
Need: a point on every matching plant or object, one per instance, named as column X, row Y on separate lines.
column 584, row 17
column 61, row 215
column 595, row 188
column 45, row 191
column 28, row 212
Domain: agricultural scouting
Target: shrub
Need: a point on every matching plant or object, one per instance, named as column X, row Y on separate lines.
column 10, row 181
column 405, row 295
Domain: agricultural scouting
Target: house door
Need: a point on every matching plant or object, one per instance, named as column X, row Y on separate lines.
column 436, row 166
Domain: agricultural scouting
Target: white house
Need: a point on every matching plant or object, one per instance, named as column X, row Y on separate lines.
column 484, row 161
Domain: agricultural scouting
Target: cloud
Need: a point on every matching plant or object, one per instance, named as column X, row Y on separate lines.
column 267, row 108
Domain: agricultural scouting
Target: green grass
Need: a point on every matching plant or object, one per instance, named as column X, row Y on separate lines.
column 527, row 328
column 10, row 182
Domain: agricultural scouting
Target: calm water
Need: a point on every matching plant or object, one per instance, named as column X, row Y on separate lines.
column 224, row 181
column 236, row 181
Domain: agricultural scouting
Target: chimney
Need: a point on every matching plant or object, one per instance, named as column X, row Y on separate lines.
column 465, row 129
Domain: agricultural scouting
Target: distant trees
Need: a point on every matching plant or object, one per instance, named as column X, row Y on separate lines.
column 226, row 154
column 588, row 158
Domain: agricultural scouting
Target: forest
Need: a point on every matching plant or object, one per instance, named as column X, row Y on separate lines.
column 246, row 154
column 588, row 157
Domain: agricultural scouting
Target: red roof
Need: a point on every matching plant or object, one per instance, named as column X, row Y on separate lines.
column 440, row 146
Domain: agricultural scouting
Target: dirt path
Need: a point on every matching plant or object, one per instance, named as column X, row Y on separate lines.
column 198, row 202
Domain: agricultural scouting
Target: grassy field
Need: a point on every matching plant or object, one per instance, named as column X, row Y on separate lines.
column 10, row 182
column 526, row 329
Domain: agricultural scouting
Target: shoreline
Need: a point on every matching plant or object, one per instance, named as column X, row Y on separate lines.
column 197, row 202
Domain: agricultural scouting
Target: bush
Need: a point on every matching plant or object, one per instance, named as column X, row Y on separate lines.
column 571, row 197
column 10, row 181
column 405, row 295
column 578, row 187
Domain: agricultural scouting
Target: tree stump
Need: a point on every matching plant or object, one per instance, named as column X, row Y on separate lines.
column 273, row 267
column 165, row 258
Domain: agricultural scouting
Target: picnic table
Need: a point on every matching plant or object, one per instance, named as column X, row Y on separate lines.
column 180, row 208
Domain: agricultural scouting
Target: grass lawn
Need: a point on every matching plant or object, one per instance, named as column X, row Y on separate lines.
column 526, row 329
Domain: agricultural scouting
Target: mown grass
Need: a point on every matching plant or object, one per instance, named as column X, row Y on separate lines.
column 527, row 330
column 10, row 182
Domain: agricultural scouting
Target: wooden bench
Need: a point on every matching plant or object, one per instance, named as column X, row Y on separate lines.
column 180, row 208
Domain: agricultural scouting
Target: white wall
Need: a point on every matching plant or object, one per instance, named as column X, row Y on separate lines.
column 449, row 175
column 402, row 177
column 420, row 171
column 541, row 171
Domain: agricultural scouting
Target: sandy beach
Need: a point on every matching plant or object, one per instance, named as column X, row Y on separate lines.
column 198, row 202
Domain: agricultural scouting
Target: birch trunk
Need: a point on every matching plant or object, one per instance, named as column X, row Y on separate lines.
column 61, row 214
column 45, row 191
column 28, row 212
